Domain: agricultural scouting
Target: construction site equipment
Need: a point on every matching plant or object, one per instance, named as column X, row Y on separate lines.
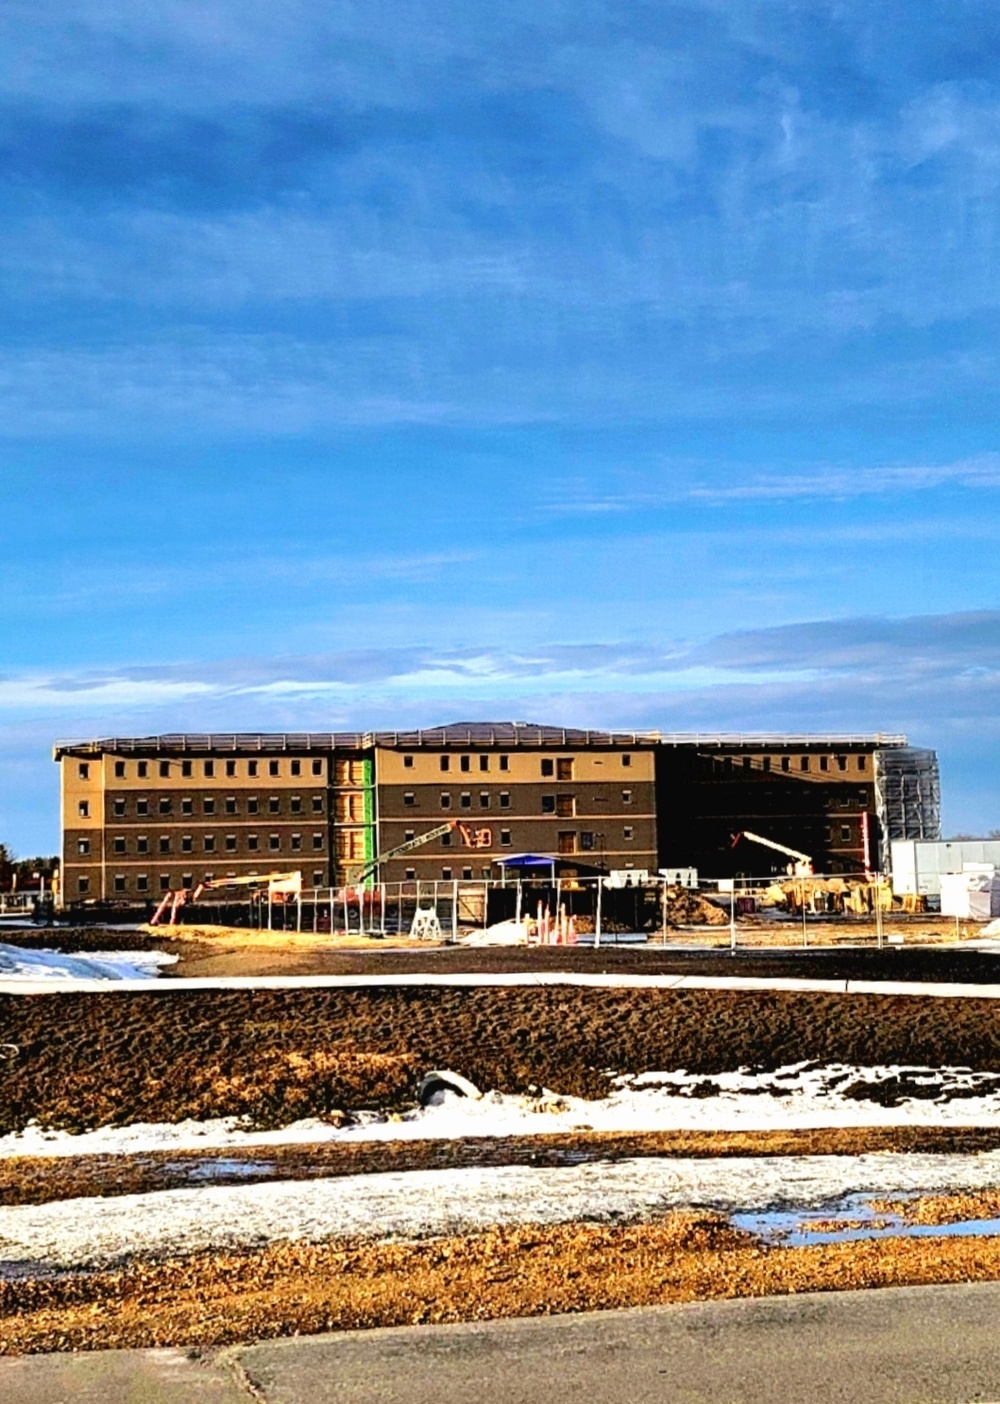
column 471, row 838
column 801, row 865
column 277, row 885
column 426, row 925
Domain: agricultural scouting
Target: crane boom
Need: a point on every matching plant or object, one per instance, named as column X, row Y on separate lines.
column 472, row 838
column 803, row 862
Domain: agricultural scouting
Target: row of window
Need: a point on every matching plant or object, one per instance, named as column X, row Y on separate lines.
column 165, row 882
column 142, row 770
column 588, row 840
column 165, row 843
column 559, row 766
column 275, row 804
column 786, row 763
column 550, row 804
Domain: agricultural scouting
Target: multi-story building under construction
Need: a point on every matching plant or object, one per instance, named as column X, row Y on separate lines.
column 144, row 815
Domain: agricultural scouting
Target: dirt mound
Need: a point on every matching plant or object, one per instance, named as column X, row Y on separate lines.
column 687, row 908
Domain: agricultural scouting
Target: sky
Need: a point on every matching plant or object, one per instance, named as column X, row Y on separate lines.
column 374, row 364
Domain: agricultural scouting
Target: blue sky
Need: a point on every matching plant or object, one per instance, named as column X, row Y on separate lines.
column 388, row 364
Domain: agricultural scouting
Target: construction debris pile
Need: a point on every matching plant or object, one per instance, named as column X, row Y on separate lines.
column 830, row 896
column 684, row 907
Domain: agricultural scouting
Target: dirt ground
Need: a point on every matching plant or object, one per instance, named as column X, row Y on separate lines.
column 89, row 1059
column 298, row 1288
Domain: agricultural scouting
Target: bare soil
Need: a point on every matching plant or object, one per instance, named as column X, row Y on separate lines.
column 90, row 1059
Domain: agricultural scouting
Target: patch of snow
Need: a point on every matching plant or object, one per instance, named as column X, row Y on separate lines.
column 17, row 963
column 796, row 1097
column 90, row 1232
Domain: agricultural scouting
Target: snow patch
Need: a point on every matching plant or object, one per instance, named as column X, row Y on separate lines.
column 17, row 963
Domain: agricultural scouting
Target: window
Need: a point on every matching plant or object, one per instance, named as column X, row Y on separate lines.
column 765, row 763
column 465, row 763
column 626, row 796
column 505, row 762
column 295, row 804
column 409, row 834
column 626, row 759
column 548, row 804
column 505, row 838
column 587, row 841
column 119, row 770
column 465, row 799
column 845, row 833
column 446, row 840
column 746, row 762
column 296, row 843
column 83, row 809
column 208, row 806
column 165, row 804
column 841, row 762
column 164, row 843
column 504, row 799
column 164, row 768
column 566, row 806
column 253, row 804
column 567, row 841
column 142, row 844
column 83, row 847
column 83, row 770
column 564, row 768
column 142, row 805
column 484, row 799
column 411, row 873
column 317, row 874
column 548, row 766
column 119, row 843
column 273, row 804
column 83, row 885
column 446, row 874
column 187, row 843
column 786, row 763
column 317, row 769
column 165, row 882
column 186, row 768
column 209, row 769
column 230, row 843
column 317, row 804
column 208, row 877
column 408, row 762
column 142, row 770
column 274, row 767
column 803, row 762
column 230, row 804
column 467, row 874
column 824, row 762
column 251, row 767
column 484, row 762
column 446, row 762
column 317, row 841
column 628, row 833
column 253, row 843
column 230, row 768
column 409, row 798
column 295, row 767
column 187, row 805
column 119, row 882
column 445, row 801
column 119, row 807
column 274, row 842
column 142, row 883
column 862, row 762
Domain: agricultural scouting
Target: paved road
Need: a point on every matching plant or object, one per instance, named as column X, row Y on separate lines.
column 928, row 1345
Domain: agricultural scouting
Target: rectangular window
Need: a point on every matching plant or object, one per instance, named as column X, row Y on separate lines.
column 567, row 841
column 408, row 762
column 187, row 769
column 253, row 805
column 765, row 763
column 548, row 766
column 164, row 768
column 142, row 883
column 841, row 762
column 119, row 844
column 566, row 806
column 626, row 759
column 187, row 879
column 142, row 844
column 445, row 801
column 410, row 874
column 295, row 804
column 484, row 799
column 83, row 847
column 628, row 834
column 409, row 834
column 446, row 874
column 786, row 763
column 746, row 762
column 253, row 843
column 83, row 809
column 465, row 763
column 230, row 768
column 803, row 762
column 317, row 768
column 274, row 842
column 295, row 767
column 824, row 762
column 317, row 804
column 465, row 799
column 251, row 767
column 317, row 841
column 230, row 804
column 209, row 769
column 587, row 841
column 626, row 796
column 296, row 843
column 119, row 882
column 142, row 770
column 165, row 804
column 83, row 770
column 548, row 804
column 83, row 885
column 119, row 770
column 273, row 767
column 446, row 762
column 845, row 833
column 505, row 762
column 208, row 805
column 504, row 799
column 467, row 874
column 273, row 804
column 484, row 762
column 230, row 843
column 187, row 805
column 187, row 843
column 119, row 807
column 564, row 768
column 165, row 882
column 505, row 838
column 409, row 798
column 318, row 877
column 142, row 805
column 164, row 843
column 862, row 762
column 446, row 840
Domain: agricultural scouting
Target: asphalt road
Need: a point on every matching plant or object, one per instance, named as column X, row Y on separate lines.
column 925, row 1345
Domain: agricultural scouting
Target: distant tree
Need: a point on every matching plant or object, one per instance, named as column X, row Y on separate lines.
column 6, row 867
column 994, row 834
column 26, row 868
column 961, row 838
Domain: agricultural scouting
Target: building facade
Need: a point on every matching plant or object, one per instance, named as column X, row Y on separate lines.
column 143, row 816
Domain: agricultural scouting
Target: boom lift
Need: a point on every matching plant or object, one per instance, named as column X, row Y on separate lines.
column 276, row 883
column 471, row 838
column 802, row 864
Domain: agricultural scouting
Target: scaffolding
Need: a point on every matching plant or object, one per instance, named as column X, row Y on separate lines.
column 907, row 794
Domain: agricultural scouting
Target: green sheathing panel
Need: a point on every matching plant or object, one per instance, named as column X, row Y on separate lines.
column 368, row 780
